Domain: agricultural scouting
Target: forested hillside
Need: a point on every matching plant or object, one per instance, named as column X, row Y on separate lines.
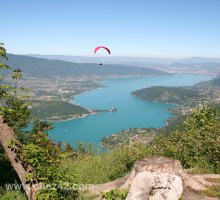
column 57, row 110
column 164, row 94
column 207, row 91
column 44, row 67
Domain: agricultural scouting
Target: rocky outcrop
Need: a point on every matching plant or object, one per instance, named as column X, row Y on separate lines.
column 189, row 195
column 191, row 183
column 153, row 164
column 155, row 186
column 164, row 165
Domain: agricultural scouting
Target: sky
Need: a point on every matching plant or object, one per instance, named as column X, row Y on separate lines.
column 145, row 28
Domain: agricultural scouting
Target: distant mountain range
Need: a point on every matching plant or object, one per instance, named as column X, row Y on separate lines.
column 189, row 65
column 51, row 67
column 124, row 59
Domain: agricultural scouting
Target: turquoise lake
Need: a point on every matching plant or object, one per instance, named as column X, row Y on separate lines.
column 131, row 111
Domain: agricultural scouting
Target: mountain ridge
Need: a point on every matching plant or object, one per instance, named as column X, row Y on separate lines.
column 47, row 67
column 196, row 65
column 152, row 60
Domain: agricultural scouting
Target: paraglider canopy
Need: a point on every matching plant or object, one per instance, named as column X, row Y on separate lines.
column 102, row 47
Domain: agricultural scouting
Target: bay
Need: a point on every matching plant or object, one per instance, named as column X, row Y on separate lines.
column 131, row 111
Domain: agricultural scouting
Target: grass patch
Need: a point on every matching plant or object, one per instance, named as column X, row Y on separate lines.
column 201, row 170
column 94, row 169
column 213, row 191
column 15, row 195
column 116, row 194
column 83, row 196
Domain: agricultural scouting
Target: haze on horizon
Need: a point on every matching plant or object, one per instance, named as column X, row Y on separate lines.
column 144, row 28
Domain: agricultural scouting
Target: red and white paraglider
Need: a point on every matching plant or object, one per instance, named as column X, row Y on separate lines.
column 101, row 47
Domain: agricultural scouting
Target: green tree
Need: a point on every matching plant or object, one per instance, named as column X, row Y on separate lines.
column 13, row 107
column 37, row 150
column 3, row 67
column 39, row 125
column 198, row 144
column 9, row 175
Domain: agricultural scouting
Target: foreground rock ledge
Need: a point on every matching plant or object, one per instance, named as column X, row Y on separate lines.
column 191, row 183
column 164, row 165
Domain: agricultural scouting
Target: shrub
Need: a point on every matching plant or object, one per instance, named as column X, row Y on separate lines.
column 198, row 144
column 116, row 194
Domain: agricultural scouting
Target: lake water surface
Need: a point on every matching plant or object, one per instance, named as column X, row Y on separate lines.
column 131, row 111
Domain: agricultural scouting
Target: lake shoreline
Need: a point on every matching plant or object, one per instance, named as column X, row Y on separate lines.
column 73, row 118
column 131, row 112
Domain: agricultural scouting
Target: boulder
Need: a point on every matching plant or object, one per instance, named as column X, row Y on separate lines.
column 155, row 186
column 164, row 165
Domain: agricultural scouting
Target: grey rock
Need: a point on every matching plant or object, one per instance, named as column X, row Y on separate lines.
column 155, row 186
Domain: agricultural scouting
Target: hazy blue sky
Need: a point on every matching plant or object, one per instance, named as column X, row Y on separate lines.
column 151, row 28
